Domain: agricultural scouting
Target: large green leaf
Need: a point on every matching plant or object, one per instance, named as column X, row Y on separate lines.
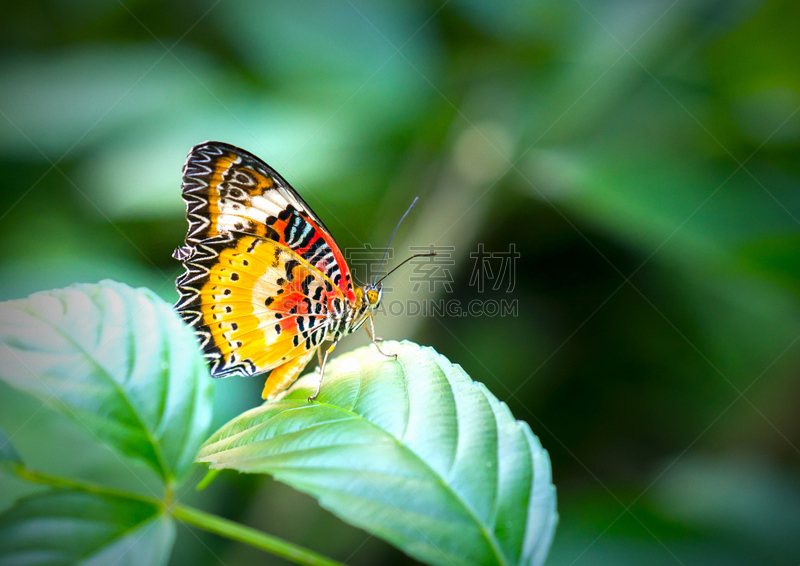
column 411, row 450
column 117, row 360
column 69, row 527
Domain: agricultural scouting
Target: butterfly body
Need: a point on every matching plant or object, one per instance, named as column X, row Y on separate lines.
column 265, row 284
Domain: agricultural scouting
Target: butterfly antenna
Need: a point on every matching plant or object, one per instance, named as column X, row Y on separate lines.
column 430, row 254
column 375, row 281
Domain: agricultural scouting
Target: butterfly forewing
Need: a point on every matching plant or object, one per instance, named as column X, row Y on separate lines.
column 227, row 189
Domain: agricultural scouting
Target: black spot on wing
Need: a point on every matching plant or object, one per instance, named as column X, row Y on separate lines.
column 286, row 213
column 290, row 265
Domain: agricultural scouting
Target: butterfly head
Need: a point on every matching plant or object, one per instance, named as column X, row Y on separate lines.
column 371, row 295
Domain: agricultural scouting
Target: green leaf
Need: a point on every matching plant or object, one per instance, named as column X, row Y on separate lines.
column 118, row 361
column 69, row 527
column 411, row 450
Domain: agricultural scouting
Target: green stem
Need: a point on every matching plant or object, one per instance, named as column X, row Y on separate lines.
column 63, row 483
column 191, row 516
column 246, row 535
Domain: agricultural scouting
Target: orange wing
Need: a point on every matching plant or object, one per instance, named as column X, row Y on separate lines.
column 255, row 304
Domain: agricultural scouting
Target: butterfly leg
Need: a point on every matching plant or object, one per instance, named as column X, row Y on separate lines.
column 320, row 361
column 375, row 340
column 322, row 371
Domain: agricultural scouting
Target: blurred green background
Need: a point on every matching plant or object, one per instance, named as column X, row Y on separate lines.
column 641, row 155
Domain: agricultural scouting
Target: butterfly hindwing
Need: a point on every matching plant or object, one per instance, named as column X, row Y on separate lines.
column 254, row 303
column 283, row 376
column 229, row 190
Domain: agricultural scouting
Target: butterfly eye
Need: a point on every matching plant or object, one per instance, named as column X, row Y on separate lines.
column 372, row 297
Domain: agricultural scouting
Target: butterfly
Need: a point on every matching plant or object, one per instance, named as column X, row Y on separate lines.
column 264, row 285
